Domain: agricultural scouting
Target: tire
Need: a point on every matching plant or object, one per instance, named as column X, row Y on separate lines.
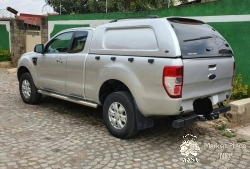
column 28, row 90
column 121, row 104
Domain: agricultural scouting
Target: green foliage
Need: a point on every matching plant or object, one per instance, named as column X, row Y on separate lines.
column 228, row 134
column 99, row 6
column 4, row 55
column 240, row 91
column 241, row 140
column 222, row 127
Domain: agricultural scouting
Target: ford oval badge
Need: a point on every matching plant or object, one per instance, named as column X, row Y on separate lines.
column 211, row 76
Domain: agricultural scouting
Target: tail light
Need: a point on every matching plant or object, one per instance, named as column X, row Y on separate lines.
column 233, row 75
column 172, row 80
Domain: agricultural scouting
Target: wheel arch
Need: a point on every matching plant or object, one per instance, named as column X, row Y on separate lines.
column 111, row 86
column 21, row 70
column 26, row 65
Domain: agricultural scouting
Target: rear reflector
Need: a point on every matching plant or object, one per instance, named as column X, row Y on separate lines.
column 233, row 75
column 172, row 80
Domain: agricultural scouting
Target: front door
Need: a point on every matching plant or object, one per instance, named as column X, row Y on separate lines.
column 52, row 64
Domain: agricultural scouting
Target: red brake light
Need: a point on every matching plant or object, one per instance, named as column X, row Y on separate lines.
column 173, row 71
column 172, row 80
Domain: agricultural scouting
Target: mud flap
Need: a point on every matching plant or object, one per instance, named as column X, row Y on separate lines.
column 142, row 122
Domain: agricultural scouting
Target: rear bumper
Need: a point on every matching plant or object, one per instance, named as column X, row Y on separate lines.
column 182, row 122
column 187, row 104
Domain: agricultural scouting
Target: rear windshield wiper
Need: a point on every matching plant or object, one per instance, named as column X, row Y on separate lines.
column 203, row 37
column 225, row 51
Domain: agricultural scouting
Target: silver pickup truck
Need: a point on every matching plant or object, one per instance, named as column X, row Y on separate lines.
column 135, row 69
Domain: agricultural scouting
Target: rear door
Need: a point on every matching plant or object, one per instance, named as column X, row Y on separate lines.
column 207, row 58
column 75, row 67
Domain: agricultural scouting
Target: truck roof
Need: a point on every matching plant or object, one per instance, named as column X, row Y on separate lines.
column 77, row 29
column 146, row 21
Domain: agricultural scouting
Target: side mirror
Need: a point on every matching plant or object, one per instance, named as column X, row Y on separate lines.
column 39, row 48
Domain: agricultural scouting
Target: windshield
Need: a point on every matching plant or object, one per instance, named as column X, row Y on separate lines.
column 198, row 39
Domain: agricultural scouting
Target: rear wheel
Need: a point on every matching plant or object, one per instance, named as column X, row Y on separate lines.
column 119, row 115
column 28, row 90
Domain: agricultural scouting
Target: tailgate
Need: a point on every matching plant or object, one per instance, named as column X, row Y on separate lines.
column 206, row 76
column 208, row 63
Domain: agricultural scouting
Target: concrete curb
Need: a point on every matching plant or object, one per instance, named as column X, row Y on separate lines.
column 7, row 64
column 240, row 112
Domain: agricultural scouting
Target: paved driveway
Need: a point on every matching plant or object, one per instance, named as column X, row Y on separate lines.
column 57, row 134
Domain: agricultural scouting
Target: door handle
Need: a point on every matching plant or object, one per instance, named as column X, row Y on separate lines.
column 59, row 61
column 212, row 67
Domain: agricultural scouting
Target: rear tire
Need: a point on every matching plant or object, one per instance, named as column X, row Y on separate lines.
column 28, row 90
column 119, row 115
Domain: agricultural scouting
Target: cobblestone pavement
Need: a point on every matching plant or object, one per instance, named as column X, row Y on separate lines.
column 58, row 134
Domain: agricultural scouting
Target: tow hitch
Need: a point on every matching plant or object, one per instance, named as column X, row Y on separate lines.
column 184, row 121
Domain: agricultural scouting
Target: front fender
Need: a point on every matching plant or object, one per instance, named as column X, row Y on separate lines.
column 27, row 63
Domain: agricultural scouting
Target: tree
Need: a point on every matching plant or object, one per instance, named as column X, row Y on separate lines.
column 99, row 6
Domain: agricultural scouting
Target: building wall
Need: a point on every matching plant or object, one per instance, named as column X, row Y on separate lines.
column 44, row 30
column 230, row 17
column 32, row 38
column 18, row 40
column 5, row 35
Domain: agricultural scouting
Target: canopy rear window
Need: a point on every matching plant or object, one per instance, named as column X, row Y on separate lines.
column 198, row 39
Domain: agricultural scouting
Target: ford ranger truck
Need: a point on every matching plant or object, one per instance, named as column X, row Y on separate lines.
column 135, row 70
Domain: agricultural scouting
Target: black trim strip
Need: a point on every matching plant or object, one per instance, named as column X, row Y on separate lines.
column 113, row 58
column 206, row 56
column 130, row 59
column 177, row 57
column 150, row 60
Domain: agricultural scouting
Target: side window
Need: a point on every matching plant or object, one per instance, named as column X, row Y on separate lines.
column 59, row 44
column 130, row 39
column 79, row 42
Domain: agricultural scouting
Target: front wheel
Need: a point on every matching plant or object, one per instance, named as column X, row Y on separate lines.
column 28, row 90
column 119, row 114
